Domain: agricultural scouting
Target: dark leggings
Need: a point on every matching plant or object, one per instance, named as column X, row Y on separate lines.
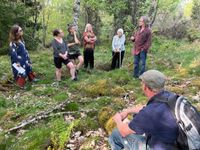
column 89, row 57
column 116, row 62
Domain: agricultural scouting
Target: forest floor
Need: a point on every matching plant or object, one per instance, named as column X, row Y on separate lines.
column 76, row 115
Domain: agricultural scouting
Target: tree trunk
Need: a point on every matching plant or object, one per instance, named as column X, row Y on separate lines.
column 134, row 10
column 76, row 10
column 43, row 28
column 92, row 17
column 35, row 18
column 153, row 11
column 119, row 20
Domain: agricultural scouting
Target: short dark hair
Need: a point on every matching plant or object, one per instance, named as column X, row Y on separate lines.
column 69, row 26
column 56, row 32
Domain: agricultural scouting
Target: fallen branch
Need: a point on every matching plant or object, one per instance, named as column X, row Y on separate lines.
column 46, row 114
column 39, row 116
column 3, row 89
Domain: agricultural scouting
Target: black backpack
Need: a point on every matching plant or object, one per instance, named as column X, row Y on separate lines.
column 188, row 120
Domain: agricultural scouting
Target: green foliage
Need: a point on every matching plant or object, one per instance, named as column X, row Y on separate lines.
column 104, row 115
column 61, row 96
column 35, row 139
column 168, row 5
column 109, row 126
column 2, row 102
column 98, row 88
column 188, row 9
column 87, row 124
column 47, row 91
column 196, row 11
column 117, row 6
column 193, row 34
column 94, row 4
column 61, row 133
column 16, row 13
column 72, row 107
column 54, row 14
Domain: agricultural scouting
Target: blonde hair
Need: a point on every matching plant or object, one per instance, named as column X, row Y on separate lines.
column 86, row 27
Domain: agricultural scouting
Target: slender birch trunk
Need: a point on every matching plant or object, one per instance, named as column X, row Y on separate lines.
column 76, row 11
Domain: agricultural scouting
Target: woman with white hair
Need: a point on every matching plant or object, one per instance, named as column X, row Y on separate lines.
column 89, row 45
column 118, row 49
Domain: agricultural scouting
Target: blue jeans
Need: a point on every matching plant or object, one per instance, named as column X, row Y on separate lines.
column 130, row 142
column 141, row 56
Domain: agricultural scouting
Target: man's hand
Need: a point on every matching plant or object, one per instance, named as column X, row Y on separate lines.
column 122, row 127
column 132, row 38
column 123, row 114
column 117, row 50
column 133, row 110
column 117, row 118
column 77, row 42
column 63, row 56
column 66, row 55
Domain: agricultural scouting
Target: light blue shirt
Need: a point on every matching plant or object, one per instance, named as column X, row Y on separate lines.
column 118, row 42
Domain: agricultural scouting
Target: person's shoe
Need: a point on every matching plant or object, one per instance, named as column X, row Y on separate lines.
column 35, row 80
column 21, row 82
column 56, row 84
column 31, row 76
column 75, row 79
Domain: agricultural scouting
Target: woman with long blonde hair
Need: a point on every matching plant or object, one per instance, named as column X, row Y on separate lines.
column 89, row 46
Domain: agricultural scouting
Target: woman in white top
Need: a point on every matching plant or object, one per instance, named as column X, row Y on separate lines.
column 118, row 49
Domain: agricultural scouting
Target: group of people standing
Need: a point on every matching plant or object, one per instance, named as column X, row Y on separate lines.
column 142, row 43
column 66, row 50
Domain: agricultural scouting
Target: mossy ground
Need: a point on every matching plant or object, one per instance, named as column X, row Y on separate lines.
column 96, row 89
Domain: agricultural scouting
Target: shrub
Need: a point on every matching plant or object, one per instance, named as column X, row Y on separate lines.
column 193, row 34
column 104, row 115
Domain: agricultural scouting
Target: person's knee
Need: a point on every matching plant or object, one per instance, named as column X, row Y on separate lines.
column 58, row 70
column 115, row 140
column 115, row 134
column 81, row 60
column 70, row 65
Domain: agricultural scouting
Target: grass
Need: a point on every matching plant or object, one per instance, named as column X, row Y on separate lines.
column 96, row 89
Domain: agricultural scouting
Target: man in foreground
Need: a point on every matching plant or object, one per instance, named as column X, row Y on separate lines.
column 154, row 121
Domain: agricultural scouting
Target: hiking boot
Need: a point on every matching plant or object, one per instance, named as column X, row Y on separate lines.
column 31, row 76
column 35, row 80
column 21, row 82
column 55, row 84
column 75, row 79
